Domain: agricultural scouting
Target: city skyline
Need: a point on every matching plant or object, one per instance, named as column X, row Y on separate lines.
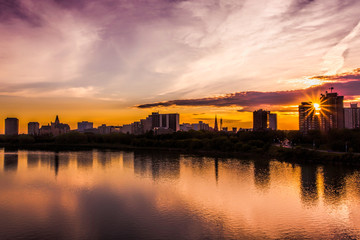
column 116, row 61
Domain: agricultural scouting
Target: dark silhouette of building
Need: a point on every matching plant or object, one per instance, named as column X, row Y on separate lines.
column 273, row 121
column 45, row 130
column 58, row 128
column 216, row 128
column 33, row 128
column 332, row 111
column 262, row 174
column 11, row 126
column 352, row 116
column 260, row 120
column 165, row 121
column 308, row 187
column 309, row 117
column 85, row 125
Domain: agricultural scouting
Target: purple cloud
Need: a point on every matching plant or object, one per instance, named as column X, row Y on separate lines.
column 347, row 85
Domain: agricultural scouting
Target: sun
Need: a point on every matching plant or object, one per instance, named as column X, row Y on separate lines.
column 317, row 107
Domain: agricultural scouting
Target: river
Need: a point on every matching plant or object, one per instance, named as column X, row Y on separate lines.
column 162, row 195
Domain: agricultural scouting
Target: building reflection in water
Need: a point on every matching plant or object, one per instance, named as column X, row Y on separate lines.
column 262, row 174
column 84, row 159
column 46, row 159
column 56, row 164
column 334, row 183
column 157, row 165
column 104, row 158
column 309, row 185
column 11, row 160
column 128, row 160
column 33, row 159
column 216, row 162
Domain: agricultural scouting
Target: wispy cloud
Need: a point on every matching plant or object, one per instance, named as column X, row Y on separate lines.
column 167, row 49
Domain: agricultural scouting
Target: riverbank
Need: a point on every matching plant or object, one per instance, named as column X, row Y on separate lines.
column 303, row 155
column 291, row 155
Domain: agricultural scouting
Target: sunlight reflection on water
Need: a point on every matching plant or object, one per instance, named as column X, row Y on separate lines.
column 148, row 195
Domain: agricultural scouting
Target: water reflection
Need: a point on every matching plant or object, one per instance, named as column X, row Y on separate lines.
column 216, row 161
column 152, row 195
column 10, row 161
column 157, row 165
column 334, row 184
column 104, row 158
column 309, row 188
column 262, row 174
column 85, row 160
column 33, row 160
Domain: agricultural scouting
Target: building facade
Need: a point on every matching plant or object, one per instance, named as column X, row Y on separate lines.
column 332, row 111
column 352, row 116
column 273, row 121
column 33, row 128
column 260, row 120
column 167, row 121
column 58, row 128
column 11, row 126
column 84, row 125
column 309, row 117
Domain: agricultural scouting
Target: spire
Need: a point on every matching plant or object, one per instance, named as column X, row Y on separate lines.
column 220, row 124
column 216, row 125
column 57, row 120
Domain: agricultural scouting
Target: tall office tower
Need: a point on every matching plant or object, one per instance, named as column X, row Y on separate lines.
column 173, row 121
column 33, row 128
column 332, row 111
column 11, row 126
column 272, row 121
column 167, row 121
column 260, row 120
column 155, row 120
column 84, row 125
column 352, row 116
column 216, row 128
column 309, row 117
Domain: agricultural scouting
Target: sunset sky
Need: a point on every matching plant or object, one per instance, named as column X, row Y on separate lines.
column 116, row 61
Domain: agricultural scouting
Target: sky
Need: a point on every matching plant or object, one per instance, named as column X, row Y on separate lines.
column 116, row 61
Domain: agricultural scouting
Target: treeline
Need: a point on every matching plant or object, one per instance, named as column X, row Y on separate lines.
column 341, row 140
column 256, row 142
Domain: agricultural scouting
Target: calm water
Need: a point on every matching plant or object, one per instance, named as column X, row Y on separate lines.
column 131, row 195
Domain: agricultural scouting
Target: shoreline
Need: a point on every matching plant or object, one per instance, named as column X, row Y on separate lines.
column 290, row 155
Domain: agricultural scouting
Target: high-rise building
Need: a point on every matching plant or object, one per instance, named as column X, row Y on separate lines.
column 33, row 128
column 216, row 128
column 85, row 125
column 167, row 121
column 11, row 126
column 155, row 119
column 260, row 120
column 273, row 121
column 352, row 116
column 332, row 111
column 309, row 117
